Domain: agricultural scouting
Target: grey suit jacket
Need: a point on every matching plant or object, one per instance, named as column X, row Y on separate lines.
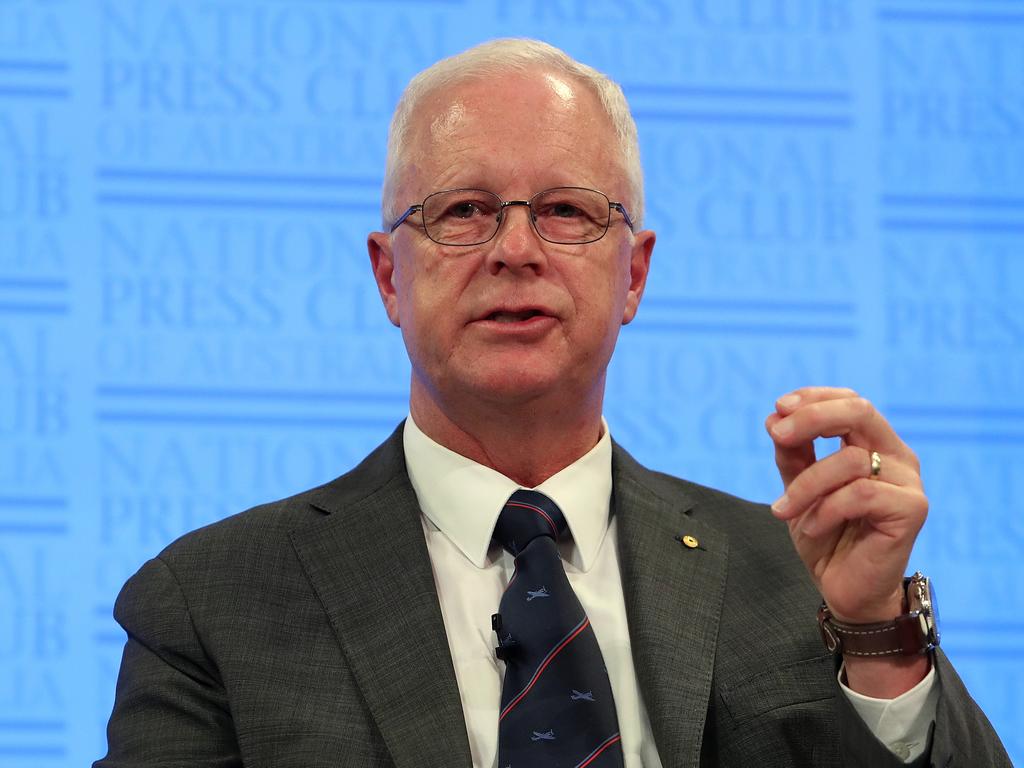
column 308, row 632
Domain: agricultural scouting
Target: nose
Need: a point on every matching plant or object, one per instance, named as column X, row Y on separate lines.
column 517, row 246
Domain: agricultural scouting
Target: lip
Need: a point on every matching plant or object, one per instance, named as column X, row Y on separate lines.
column 536, row 310
column 540, row 320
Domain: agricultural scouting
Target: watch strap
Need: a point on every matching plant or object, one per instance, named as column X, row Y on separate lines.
column 909, row 634
column 904, row 635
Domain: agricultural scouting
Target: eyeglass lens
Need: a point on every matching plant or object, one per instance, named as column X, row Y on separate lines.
column 472, row 216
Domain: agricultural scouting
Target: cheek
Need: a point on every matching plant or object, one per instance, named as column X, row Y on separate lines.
column 428, row 294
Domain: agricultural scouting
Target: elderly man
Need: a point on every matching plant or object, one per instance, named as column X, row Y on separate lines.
column 500, row 583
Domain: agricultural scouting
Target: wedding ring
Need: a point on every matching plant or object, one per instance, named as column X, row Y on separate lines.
column 876, row 463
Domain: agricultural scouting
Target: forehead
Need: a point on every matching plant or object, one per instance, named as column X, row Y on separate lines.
column 515, row 133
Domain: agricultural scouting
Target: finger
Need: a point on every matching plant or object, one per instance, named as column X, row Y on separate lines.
column 791, row 460
column 854, row 419
column 892, row 509
column 834, row 471
column 789, row 402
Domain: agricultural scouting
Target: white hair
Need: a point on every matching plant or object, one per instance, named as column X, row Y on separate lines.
column 495, row 58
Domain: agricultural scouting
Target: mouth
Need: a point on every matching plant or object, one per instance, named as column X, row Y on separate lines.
column 520, row 316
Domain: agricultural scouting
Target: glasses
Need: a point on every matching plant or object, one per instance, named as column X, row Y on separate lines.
column 563, row 215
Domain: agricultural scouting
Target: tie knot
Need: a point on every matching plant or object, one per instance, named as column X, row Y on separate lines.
column 525, row 516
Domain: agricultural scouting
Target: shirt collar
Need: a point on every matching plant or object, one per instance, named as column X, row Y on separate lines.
column 463, row 498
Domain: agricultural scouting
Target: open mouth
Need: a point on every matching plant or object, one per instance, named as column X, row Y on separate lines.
column 514, row 317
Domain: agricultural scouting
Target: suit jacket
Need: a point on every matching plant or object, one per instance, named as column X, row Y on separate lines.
column 308, row 632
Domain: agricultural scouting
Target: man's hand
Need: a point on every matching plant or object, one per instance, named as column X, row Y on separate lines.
column 854, row 531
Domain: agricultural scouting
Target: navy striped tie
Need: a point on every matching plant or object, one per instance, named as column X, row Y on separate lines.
column 556, row 701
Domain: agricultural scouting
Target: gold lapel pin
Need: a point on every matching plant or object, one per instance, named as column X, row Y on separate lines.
column 688, row 541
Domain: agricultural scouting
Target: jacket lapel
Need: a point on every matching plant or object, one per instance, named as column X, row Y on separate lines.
column 367, row 561
column 674, row 596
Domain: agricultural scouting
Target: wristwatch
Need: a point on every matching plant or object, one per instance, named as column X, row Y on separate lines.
column 914, row 631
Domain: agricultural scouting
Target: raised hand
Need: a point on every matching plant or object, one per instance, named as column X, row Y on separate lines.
column 854, row 530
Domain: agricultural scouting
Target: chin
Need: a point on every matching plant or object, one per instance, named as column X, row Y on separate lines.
column 504, row 381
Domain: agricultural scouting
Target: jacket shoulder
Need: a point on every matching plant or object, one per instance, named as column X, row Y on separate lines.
column 267, row 525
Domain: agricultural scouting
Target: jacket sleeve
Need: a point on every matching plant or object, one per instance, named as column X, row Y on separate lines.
column 961, row 736
column 170, row 706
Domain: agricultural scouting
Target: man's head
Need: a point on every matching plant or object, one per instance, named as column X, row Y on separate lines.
column 491, row 61
column 517, row 321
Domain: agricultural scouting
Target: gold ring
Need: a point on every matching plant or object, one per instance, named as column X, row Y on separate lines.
column 876, row 463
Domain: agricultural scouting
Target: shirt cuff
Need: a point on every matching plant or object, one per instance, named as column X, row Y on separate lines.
column 902, row 723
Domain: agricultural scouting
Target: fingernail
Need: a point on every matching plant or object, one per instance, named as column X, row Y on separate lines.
column 783, row 428
column 780, row 505
column 809, row 525
column 788, row 401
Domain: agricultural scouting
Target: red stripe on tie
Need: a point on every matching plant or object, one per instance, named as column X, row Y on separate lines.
column 597, row 752
column 539, row 511
column 543, row 665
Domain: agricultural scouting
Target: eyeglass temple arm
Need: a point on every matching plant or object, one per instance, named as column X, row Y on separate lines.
column 408, row 212
column 622, row 209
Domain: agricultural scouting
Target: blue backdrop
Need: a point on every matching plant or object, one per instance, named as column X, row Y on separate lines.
column 188, row 324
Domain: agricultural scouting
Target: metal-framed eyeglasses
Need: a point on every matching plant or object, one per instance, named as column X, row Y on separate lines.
column 563, row 215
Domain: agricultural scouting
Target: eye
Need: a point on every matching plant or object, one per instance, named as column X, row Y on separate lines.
column 463, row 209
column 563, row 211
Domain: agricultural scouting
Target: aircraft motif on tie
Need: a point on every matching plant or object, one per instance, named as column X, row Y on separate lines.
column 546, row 736
column 578, row 696
column 532, row 593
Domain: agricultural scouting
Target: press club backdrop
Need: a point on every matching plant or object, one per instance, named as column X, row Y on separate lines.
column 188, row 325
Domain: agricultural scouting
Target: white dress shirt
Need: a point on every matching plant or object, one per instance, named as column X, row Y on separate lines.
column 461, row 501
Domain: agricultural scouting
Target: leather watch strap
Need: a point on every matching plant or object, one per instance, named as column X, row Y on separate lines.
column 913, row 632
column 903, row 635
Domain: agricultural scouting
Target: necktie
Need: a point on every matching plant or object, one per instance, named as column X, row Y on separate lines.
column 556, row 701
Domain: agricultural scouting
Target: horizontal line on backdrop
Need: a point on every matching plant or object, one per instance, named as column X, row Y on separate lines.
column 986, row 628
column 33, row 283
column 35, row 502
column 33, row 92
column 984, row 652
column 213, row 177
column 994, row 438
column 171, row 201
column 937, row 225
column 32, row 725
column 240, row 393
column 954, row 412
column 103, row 611
column 34, row 529
column 753, row 94
column 747, row 329
column 380, row 2
column 24, row 308
column 113, row 637
column 744, row 118
column 28, row 65
column 241, row 419
column 758, row 305
column 28, row 750
column 952, row 201
column 950, row 17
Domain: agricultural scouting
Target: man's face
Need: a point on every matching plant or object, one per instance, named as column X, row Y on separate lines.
column 517, row 318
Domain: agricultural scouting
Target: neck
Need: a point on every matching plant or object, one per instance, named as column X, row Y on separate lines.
column 527, row 442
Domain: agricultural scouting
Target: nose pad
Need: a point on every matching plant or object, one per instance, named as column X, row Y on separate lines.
column 517, row 244
column 517, row 204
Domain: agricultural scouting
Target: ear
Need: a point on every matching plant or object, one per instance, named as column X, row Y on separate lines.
column 639, row 266
column 383, row 263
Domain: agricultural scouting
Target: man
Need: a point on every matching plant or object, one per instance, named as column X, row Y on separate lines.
column 352, row 624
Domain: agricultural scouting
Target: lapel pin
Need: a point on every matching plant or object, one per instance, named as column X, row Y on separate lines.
column 688, row 541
